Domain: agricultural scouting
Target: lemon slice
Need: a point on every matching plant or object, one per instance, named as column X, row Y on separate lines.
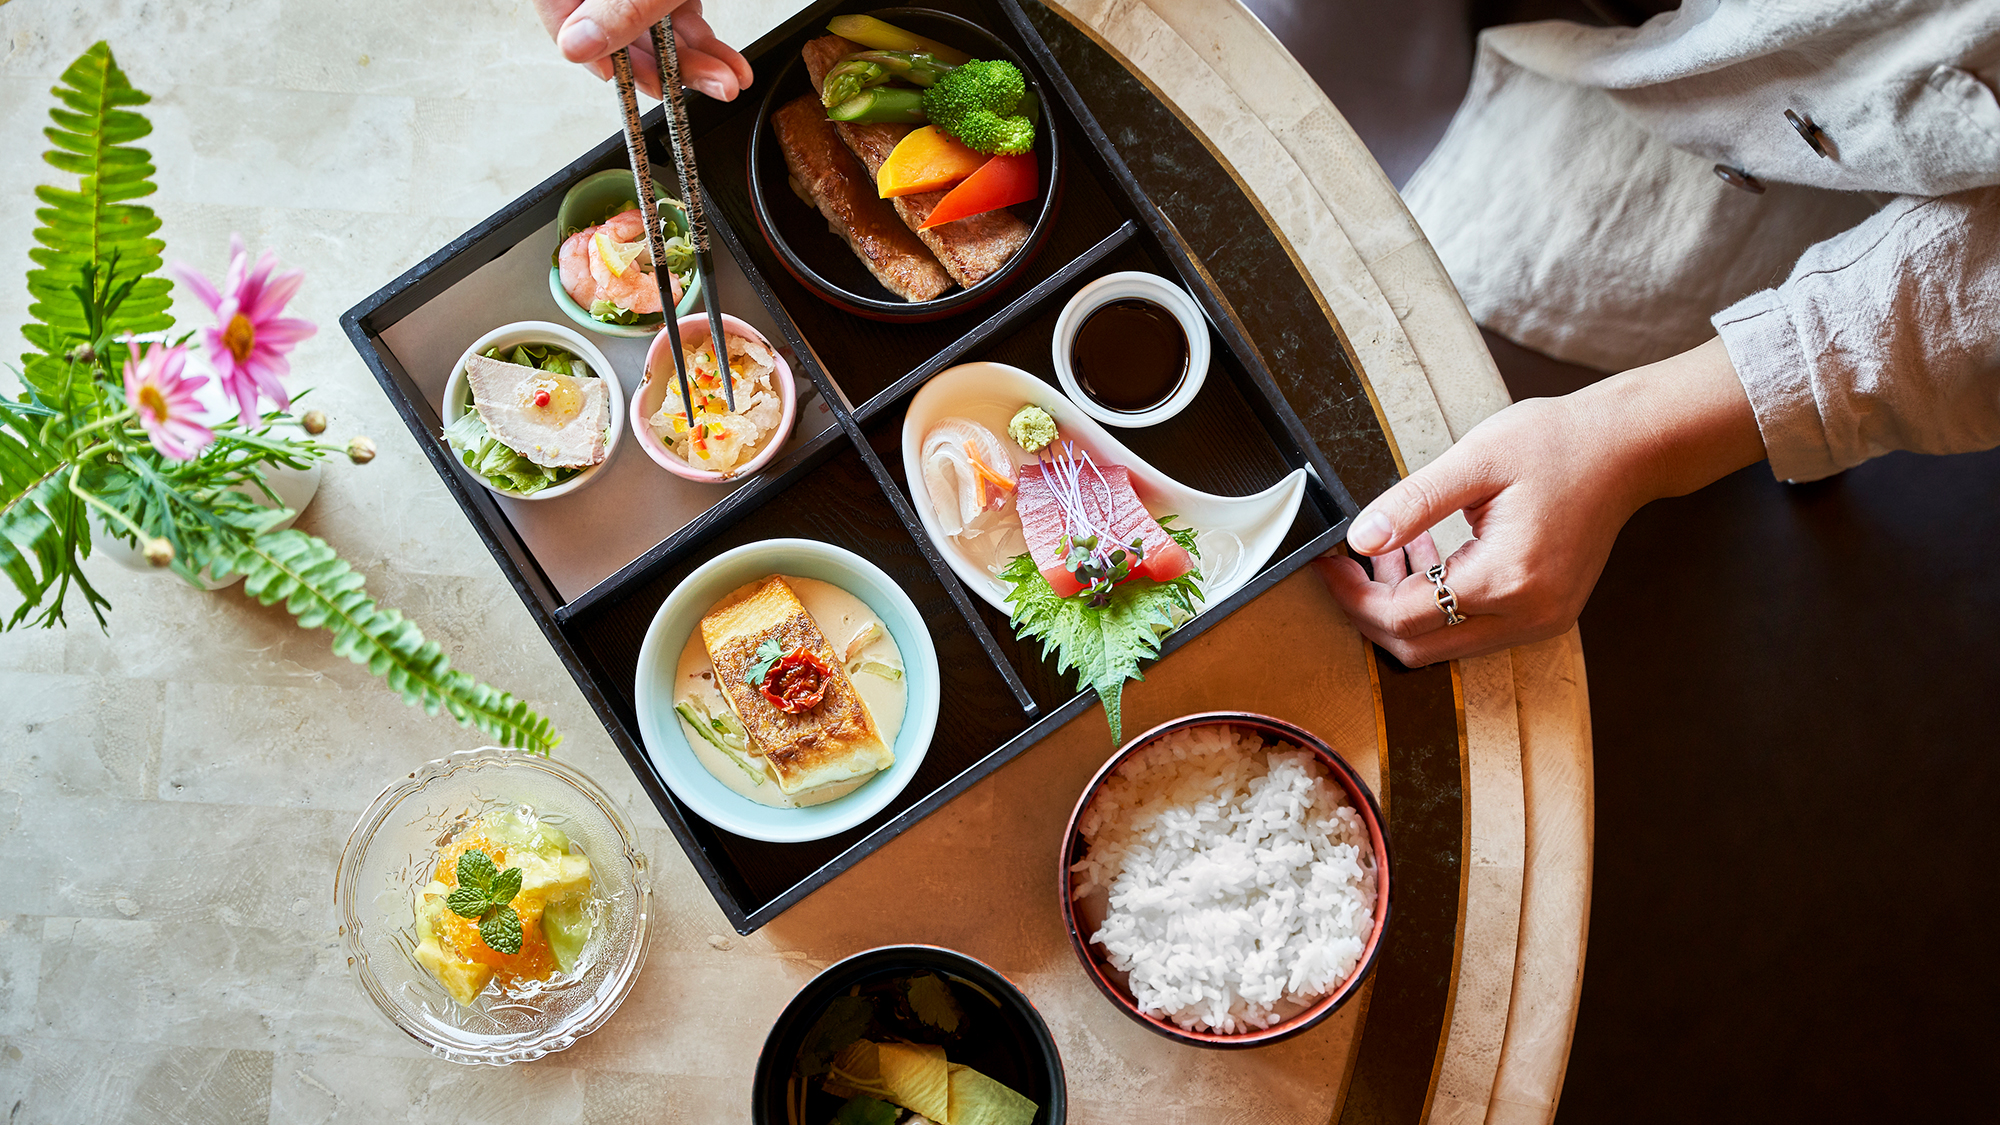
column 617, row 256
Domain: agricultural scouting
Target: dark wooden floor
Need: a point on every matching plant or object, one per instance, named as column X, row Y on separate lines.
column 1796, row 699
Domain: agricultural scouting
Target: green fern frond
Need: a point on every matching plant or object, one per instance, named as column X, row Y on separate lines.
column 43, row 526
column 323, row 592
column 93, row 241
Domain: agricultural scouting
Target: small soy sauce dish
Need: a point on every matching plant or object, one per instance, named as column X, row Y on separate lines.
column 1131, row 349
column 1002, row 1036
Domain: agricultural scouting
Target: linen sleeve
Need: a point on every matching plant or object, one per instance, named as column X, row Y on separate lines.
column 1884, row 337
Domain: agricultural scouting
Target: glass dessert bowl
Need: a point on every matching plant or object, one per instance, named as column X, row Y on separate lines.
column 567, row 906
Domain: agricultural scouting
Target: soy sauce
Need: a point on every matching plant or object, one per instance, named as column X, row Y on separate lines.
column 1130, row 355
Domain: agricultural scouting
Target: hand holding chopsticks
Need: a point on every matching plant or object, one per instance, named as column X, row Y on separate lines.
column 667, row 53
column 587, row 32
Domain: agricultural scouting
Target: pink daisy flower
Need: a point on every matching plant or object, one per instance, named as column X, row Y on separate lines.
column 166, row 402
column 247, row 346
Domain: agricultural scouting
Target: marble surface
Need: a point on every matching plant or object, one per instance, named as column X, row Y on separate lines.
column 175, row 794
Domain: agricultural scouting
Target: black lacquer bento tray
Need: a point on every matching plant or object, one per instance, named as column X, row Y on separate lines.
column 844, row 484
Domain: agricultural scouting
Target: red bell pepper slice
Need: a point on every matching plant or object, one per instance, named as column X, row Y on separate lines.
column 1000, row 182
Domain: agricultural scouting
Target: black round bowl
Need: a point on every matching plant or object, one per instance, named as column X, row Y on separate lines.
column 1021, row 1053
column 820, row 259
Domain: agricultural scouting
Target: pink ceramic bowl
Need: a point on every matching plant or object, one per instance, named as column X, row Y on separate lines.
column 1111, row 982
column 659, row 381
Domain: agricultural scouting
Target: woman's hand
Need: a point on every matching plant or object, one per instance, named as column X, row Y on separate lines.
column 588, row 31
column 1546, row 485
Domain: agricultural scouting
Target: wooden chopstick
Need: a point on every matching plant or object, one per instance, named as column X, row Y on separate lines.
column 682, row 141
column 649, row 211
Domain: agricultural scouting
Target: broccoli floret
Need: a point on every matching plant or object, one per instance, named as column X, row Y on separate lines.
column 977, row 103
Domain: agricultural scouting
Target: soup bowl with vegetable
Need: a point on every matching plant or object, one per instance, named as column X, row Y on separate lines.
column 909, row 1029
column 507, row 469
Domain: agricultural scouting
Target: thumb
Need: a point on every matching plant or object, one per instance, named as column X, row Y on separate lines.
column 599, row 27
column 1420, row 501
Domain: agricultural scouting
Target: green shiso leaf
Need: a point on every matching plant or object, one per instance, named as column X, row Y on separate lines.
column 1104, row 645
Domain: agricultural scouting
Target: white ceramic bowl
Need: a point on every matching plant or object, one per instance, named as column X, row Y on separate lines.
column 680, row 615
column 1119, row 287
column 458, row 395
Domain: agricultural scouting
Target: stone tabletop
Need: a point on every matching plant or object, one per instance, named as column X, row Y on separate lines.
column 175, row 793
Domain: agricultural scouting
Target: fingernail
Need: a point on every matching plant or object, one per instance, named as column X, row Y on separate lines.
column 580, row 39
column 713, row 88
column 1370, row 533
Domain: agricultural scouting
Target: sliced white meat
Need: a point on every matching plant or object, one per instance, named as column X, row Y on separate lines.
column 565, row 431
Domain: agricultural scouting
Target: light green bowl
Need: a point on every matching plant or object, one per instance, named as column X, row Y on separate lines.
column 596, row 198
column 678, row 618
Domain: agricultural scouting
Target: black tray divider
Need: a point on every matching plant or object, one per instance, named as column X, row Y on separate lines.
column 843, row 415
column 1077, row 704
column 1000, row 323
column 716, row 519
column 1177, row 251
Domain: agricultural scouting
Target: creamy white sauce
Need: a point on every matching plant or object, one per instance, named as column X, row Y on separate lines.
column 841, row 617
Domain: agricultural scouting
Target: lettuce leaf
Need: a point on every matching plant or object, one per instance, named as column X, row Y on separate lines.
column 485, row 455
column 1104, row 645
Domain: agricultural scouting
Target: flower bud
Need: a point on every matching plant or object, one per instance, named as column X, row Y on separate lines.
column 360, row 450
column 314, row 421
column 82, row 353
column 159, row 552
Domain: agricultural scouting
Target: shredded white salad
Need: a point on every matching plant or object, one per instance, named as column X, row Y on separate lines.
column 720, row 439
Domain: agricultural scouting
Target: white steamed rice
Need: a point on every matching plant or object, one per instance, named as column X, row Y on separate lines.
column 1241, row 881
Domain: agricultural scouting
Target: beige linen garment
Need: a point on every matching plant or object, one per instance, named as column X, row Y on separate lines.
column 1575, row 203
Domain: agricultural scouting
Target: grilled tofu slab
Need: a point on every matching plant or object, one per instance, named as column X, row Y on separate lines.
column 829, row 745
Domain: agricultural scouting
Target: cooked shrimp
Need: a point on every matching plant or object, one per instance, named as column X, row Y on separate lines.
column 574, row 264
column 626, row 226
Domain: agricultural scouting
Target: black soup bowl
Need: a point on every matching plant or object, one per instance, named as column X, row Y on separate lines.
column 820, row 259
column 1003, row 1038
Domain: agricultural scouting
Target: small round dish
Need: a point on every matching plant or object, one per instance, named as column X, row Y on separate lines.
column 594, row 199
column 1112, row 983
column 818, row 258
column 678, row 618
column 652, row 394
column 458, row 396
column 1022, row 1054
column 1119, row 287
column 388, row 859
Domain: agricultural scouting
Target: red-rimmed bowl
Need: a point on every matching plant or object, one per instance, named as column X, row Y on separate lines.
column 1111, row 982
column 659, row 377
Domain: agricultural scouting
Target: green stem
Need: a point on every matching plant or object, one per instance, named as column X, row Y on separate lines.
column 114, row 419
column 79, row 492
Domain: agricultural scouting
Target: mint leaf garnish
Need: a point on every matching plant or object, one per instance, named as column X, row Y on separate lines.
column 468, row 902
column 506, row 885
column 501, row 930
column 475, row 869
column 485, row 892
column 769, row 652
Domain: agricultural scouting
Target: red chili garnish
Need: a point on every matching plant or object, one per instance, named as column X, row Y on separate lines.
column 541, row 398
column 796, row 683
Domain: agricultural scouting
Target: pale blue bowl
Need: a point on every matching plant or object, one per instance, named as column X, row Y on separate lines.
column 678, row 618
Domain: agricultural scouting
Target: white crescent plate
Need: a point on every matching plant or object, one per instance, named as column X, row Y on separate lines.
column 990, row 393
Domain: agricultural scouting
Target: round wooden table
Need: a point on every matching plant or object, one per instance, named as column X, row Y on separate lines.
column 176, row 792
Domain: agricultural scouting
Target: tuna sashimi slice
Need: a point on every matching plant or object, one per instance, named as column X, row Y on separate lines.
column 1113, row 504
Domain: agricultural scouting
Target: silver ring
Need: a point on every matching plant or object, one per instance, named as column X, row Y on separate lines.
column 1447, row 601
